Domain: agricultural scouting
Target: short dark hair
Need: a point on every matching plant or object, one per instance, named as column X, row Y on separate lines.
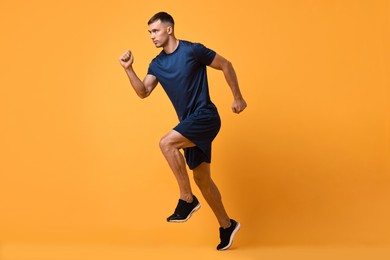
column 163, row 17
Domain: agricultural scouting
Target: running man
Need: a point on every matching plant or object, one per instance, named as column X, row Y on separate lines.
column 180, row 68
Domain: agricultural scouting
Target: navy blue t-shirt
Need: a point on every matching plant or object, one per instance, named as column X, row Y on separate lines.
column 183, row 76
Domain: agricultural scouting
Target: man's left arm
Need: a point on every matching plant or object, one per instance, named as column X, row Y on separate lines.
column 220, row 63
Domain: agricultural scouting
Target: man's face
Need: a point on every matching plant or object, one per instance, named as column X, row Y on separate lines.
column 159, row 33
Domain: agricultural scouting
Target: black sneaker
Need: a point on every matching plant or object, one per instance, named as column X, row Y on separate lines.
column 227, row 235
column 184, row 210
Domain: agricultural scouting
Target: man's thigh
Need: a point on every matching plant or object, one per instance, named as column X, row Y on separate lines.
column 177, row 140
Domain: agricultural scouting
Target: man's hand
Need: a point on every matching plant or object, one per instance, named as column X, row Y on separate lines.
column 238, row 105
column 126, row 59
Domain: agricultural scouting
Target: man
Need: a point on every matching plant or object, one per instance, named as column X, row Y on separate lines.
column 181, row 70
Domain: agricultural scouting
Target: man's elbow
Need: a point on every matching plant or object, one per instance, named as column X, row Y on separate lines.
column 143, row 94
column 227, row 66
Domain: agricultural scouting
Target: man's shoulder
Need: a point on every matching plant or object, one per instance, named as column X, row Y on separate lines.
column 190, row 43
column 195, row 48
column 185, row 42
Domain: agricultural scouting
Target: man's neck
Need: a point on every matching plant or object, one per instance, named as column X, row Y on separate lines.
column 171, row 46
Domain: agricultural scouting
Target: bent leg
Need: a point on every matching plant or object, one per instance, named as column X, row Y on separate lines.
column 211, row 193
column 170, row 145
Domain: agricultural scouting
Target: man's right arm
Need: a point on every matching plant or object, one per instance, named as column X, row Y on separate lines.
column 142, row 88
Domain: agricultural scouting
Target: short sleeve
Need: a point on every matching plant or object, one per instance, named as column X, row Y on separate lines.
column 150, row 69
column 202, row 54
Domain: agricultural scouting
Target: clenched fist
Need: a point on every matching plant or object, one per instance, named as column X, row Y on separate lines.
column 238, row 105
column 126, row 59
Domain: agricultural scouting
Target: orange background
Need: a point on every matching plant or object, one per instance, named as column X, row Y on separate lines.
column 307, row 164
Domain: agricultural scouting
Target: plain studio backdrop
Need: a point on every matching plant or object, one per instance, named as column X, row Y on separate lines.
column 307, row 164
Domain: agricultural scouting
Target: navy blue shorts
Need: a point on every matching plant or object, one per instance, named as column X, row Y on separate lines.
column 200, row 128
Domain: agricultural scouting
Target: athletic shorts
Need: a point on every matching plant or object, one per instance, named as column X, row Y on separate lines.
column 200, row 128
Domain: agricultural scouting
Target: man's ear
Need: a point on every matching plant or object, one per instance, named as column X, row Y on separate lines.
column 169, row 30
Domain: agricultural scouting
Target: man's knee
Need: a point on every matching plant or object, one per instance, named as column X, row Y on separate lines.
column 197, row 178
column 202, row 179
column 165, row 143
column 174, row 140
column 204, row 184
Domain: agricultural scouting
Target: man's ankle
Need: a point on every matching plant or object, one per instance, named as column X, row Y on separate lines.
column 226, row 224
column 188, row 198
